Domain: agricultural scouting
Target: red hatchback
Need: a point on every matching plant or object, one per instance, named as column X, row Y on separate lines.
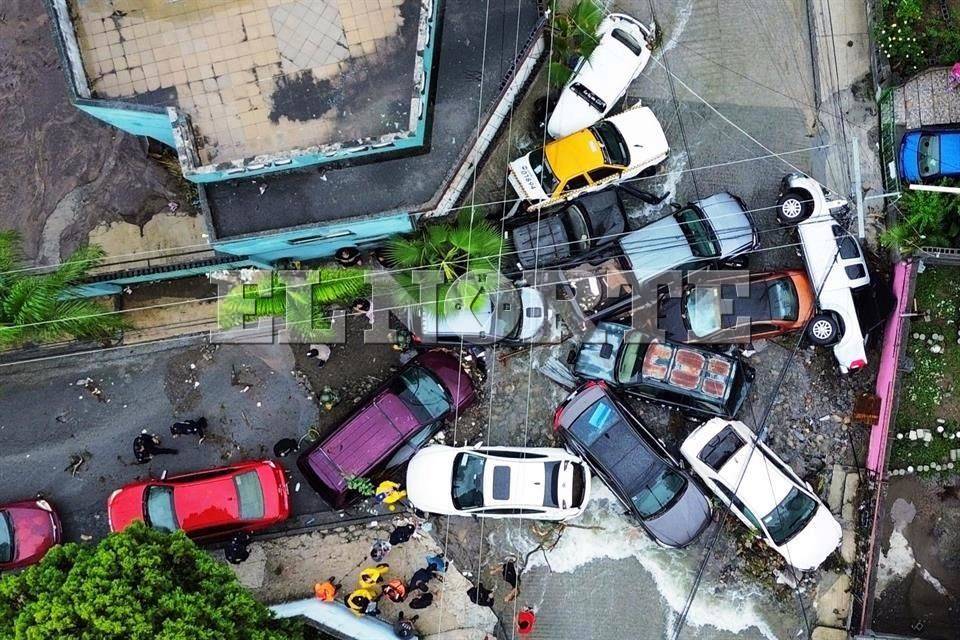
column 247, row 496
column 394, row 422
column 27, row 530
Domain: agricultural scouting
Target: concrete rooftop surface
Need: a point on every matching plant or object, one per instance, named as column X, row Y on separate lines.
column 477, row 46
column 258, row 76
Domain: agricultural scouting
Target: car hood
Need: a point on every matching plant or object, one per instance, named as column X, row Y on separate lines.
column 730, row 223
column 36, row 530
column 658, row 247
column 125, row 507
column 524, row 181
column 810, row 547
column 909, row 157
column 643, row 134
column 684, row 521
column 429, row 482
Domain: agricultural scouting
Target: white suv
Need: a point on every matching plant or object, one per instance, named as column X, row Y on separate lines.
column 763, row 492
column 598, row 82
column 850, row 304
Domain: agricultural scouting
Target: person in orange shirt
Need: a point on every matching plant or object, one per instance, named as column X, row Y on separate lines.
column 326, row 591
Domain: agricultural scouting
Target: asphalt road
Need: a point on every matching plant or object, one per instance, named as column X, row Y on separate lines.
column 246, row 392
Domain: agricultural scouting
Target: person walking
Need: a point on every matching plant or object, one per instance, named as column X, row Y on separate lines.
column 237, row 549
column 327, row 591
column 147, row 445
column 525, row 621
column 372, row 576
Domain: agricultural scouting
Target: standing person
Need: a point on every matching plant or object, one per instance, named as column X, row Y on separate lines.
column 237, row 550
column 525, row 621
column 327, row 591
column 372, row 576
column 404, row 627
column 321, row 352
column 480, row 595
column 146, row 445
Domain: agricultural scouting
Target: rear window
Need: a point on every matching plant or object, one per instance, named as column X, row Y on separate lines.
column 595, row 421
column 159, row 508
column 422, row 394
column 552, row 490
column 846, row 244
column 721, row 448
column 250, row 495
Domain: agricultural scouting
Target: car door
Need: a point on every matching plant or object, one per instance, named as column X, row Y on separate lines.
column 742, row 511
column 572, row 188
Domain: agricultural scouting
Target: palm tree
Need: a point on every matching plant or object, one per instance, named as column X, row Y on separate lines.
column 328, row 287
column 462, row 253
column 573, row 34
column 37, row 308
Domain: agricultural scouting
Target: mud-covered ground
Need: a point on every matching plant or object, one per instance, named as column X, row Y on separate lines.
column 61, row 171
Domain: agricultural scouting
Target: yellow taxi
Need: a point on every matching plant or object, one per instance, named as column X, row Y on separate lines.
column 614, row 149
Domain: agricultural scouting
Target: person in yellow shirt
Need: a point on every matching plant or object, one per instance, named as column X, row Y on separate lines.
column 389, row 493
column 372, row 576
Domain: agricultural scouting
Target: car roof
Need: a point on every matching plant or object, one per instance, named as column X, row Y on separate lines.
column 573, row 155
column 656, row 247
column 763, row 486
column 621, row 451
column 364, row 440
column 208, row 502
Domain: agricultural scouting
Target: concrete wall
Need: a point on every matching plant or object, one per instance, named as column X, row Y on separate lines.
column 69, row 48
column 316, row 242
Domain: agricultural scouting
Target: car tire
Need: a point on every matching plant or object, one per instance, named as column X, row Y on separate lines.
column 823, row 330
column 793, row 207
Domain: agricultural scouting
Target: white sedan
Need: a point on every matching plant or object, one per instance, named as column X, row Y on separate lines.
column 498, row 482
column 598, row 82
column 763, row 491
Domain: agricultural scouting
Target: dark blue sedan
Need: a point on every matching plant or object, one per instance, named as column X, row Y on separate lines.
column 927, row 155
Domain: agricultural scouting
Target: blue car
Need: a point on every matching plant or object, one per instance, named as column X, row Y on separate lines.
column 927, row 155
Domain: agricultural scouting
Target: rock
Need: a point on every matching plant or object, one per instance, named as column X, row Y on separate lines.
column 828, row 633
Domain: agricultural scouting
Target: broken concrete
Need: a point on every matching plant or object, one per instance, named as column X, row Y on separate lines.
column 833, row 600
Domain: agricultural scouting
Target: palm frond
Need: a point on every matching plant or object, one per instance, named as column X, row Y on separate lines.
column 77, row 265
column 405, row 253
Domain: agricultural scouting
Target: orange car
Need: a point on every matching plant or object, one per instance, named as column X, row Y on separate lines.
column 775, row 303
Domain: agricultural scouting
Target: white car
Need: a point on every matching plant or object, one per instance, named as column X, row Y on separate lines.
column 763, row 491
column 599, row 81
column 498, row 482
column 850, row 304
column 590, row 159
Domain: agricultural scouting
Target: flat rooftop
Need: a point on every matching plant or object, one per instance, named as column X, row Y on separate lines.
column 476, row 52
column 258, row 76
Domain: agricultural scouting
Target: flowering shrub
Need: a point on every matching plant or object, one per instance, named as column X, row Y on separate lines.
column 915, row 34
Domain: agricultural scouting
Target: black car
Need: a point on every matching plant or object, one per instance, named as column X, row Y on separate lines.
column 581, row 231
column 690, row 378
column 634, row 464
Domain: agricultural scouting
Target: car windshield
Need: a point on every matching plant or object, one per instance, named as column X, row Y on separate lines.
column 422, row 394
column 782, row 298
column 702, row 310
column 540, row 166
column 159, row 511
column 467, row 481
column 697, row 233
column 790, row 516
column 614, row 146
column 928, row 155
column 251, row 495
column 659, row 493
column 633, row 347
column 6, row 538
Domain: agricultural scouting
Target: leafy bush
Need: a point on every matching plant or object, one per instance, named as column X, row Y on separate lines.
column 573, row 36
column 927, row 219
column 37, row 308
column 140, row 584
column 913, row 34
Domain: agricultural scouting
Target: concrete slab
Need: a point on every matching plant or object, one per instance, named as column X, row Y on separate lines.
column 835, row 497
column 828, row 633
column 927, row 99
column 833, row 600
column 850, row 486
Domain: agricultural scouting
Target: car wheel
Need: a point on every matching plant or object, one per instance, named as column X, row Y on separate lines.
column 823, row 330
column 793, row 207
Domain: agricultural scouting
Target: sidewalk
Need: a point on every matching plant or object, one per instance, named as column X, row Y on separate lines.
column 286, row 569
column 927, row 100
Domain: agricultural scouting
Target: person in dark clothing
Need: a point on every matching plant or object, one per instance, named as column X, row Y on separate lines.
column 402, row 534
column 189, row 427
column 480, row 595
column 237, row 549
column 146, row 445
column 404, row 627
column 422, row 577
column 423, row 600
column 508, row 571
column 348, row 256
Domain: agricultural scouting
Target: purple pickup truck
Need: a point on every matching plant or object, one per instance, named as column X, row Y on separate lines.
column 389, row 427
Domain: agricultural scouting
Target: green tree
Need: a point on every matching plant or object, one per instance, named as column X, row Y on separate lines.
column 140, row 584
column 328, row 287
column 461, row 253
column 927, row 219
column 36, row 308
